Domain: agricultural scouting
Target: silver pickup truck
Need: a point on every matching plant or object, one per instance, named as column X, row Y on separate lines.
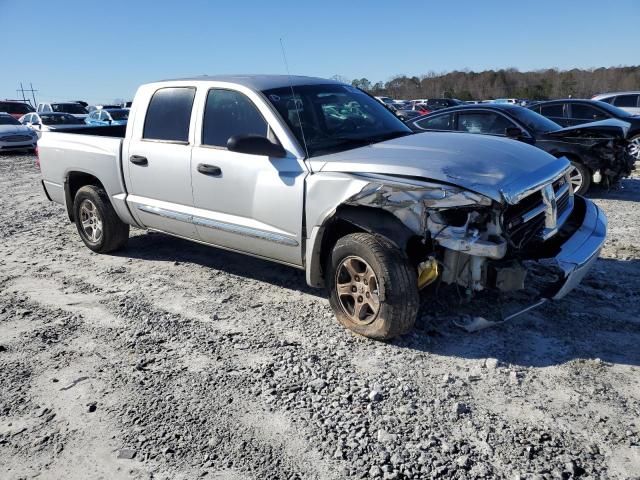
column 320, row 176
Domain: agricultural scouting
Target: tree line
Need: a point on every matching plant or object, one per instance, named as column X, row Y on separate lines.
column 507, row 83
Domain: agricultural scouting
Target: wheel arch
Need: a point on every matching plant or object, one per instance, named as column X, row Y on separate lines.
column 73, row 182
column 353, row 219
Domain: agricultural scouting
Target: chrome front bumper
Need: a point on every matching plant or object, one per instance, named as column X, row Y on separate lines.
column 580, row 251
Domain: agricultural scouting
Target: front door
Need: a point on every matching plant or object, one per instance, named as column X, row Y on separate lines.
column 249, row 203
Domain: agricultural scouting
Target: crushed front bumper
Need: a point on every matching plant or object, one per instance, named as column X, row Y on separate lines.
column 580, row 251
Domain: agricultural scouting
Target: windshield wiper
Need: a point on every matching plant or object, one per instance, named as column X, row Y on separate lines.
column 389, row 136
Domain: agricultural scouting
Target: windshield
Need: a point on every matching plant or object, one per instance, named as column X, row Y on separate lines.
column 615, row 111
column 60, row 119
column 534, row 121
column 332, row 118
column 119, row 114
column 8, row 120
column 68, row 108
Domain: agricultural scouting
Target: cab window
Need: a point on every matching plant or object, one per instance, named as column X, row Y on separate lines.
column 169, row 115
column 587, row 112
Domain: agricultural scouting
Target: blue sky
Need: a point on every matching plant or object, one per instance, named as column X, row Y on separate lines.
column 101, row 50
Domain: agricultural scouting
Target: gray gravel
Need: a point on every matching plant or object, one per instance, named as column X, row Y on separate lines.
column 171, row 360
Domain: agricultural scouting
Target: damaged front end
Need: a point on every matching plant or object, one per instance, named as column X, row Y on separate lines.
column 602, row 146
column 477, row 243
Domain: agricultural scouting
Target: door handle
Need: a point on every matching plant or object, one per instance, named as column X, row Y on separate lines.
column 209, row 170
column 138, row 160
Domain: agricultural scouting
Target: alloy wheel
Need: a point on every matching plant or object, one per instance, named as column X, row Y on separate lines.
column 91, row 221
column 358, row 290
column 576, row 179
column 634, row 148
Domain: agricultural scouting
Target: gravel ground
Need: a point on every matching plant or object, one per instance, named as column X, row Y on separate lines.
column 171, row 360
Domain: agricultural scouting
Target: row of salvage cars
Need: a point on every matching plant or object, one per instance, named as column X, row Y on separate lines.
column 601, row 141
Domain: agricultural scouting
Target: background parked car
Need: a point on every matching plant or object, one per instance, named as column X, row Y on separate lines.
column 571, row 112
column 629, row 101
column 598, row 151
column 407, row 115
column 422, row 108
column 15, row 108
column 75, row 109
column 92, row 108
column 108, row 116
column 434, row 104
column 14, row 135
column 43, row 122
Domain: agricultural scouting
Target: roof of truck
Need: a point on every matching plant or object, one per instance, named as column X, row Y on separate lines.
column 259, row 82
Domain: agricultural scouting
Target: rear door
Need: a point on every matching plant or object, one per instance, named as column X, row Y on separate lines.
column 158, row 160
column 249, row 203
column 580, row 113
column 557, row 113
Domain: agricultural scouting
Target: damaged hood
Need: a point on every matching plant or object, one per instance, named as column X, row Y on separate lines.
column 495, row 167
column 604, row 128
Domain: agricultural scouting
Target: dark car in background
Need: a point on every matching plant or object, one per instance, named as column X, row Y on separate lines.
column 408, row 115
column 15, row 108
column 570, row 112
column 433, row 104
column 598, row 151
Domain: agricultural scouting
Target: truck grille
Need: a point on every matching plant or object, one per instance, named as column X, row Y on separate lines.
column 539, row 215
column 16, row 138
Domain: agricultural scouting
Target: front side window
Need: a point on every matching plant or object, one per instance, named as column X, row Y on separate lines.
column 483, row 122
column 169, row 114
column 552, row 110
column 626, row 101
column 586, row 112
column 329, row 118
column 437, row 122
column 228, row 113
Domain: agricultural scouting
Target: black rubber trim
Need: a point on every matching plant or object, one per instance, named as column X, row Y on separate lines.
column 45, row 191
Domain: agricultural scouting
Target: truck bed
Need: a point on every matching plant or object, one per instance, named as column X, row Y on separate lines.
column 117, row 131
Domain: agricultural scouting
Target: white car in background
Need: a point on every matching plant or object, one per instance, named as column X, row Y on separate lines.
column 14, row 135
column 44, row 122
column 74, row 108
column 629, row 101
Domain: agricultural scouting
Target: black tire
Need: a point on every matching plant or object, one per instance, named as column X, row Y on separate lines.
column 397, row 285
column 585, row 173
column 114, row 232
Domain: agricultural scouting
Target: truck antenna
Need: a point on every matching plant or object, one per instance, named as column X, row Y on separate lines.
column 293, row 95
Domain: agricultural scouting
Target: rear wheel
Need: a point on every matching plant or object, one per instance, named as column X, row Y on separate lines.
column 580, row 178
column 372, row 287
column 97, row 222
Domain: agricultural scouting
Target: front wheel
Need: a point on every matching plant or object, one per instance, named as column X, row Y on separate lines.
column 373, row 289
column 97, row 222
column 580, row 178
column 634, row 147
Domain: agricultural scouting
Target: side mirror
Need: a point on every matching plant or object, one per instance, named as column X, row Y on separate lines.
column 255, row 145
column 513, row 132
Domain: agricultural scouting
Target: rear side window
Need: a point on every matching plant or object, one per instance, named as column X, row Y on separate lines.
column 439, row 122
column 626, row 101
column 228, row 113
column 552, row 110
column 586, row 112
column 169, row 114
column 487, row 123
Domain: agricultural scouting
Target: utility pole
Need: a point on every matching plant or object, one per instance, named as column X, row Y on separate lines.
column 22, row 91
